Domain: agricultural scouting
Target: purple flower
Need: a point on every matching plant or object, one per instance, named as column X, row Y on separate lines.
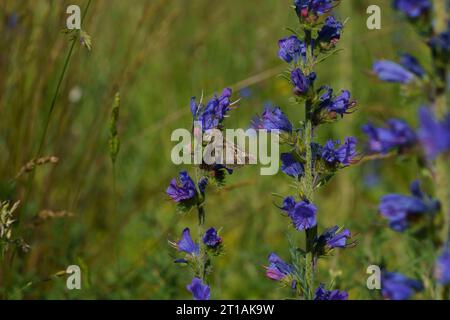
column 341, row 103
column 272, row 119
column 199, row 290
column 290, row 166
column 202, row 183
column 334, row 238
column 399, row 209
column 323, row 294
column 211, row 239
column 314, row 7
column 291, row 49
column 441, row 43
column 396, row 286
column 442, row 268
column 398, row 134
column 301, row 82
column 413, row 8
column 331, row 31
column 278, row 269
column 392, row 72
column 412, row 64
column 303, row 214
column 434, row 135
column 186, row 244
column 184, row 191
column 212, row 115
column 344, row 154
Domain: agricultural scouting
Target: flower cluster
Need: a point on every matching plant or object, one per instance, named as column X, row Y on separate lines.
column 419, row 213
column 188, row 195
column 308, row 162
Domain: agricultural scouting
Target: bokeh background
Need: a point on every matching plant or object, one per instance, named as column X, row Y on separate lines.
column 158, row 54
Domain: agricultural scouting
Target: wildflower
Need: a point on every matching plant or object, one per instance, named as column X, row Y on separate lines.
column 212, row 115
column 329, row 106
column 333, row 238
column 211, row 239
column 330, row 33
column 291, row 49
column 301, row 82
column 202, row 183
column 392, row 72
column 440, row 44
column 304, row 8
column 400, row 209
column 344, row 154
column 303, row 214
column 278, row 270
column 184, row 191
column 398, row 134
column 199, row 290
column 396, row 286
column 186, row 244
column 323, row 294
column 291, row 166
column 272, row 119
column 442, row 268
column 413, row 8
column 434, row 135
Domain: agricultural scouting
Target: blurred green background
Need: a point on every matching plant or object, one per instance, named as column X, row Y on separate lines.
column 158, row 54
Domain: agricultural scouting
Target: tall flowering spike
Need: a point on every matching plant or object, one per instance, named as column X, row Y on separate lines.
column 302, row 83
column 186, row 244
column 278, row 269
column 398, row 134
column 401, row 209
column 291, row 166
column 412, row 64
column 199, row 290
column 392, row 72
column 291, row 49
column 272, row 119
column 211, row 238
column 396, row 286
column 330, row 33
column 434, row 135
column 442, row 268
column 413, row 8
column 303, row 214
column 183, row 191
column 323, row 294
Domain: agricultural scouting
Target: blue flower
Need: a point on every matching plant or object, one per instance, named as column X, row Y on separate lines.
column 334, row 238
column 331, row 31
column 314, row 7
column 412, row 64
column 413, row 8
column 202, row 183
column 291, row 49
column 344, row 154
column 212, row 115
column 400, row 209
column 398, row 134
column 303, row 214
column 392, row 72
column 272, row 119
column 441, row 43
column 323, row 294
column 290, row 166
column 434, row 135
column 396, row 286
column 186, row 244
column 301, row 82
column 442, row 268
column 211, row 239
column 278, row 269
column 199, row 290
column 341, row 103
column 184, row 191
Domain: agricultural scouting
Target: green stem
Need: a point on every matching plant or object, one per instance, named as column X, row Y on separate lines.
column 201, row 224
